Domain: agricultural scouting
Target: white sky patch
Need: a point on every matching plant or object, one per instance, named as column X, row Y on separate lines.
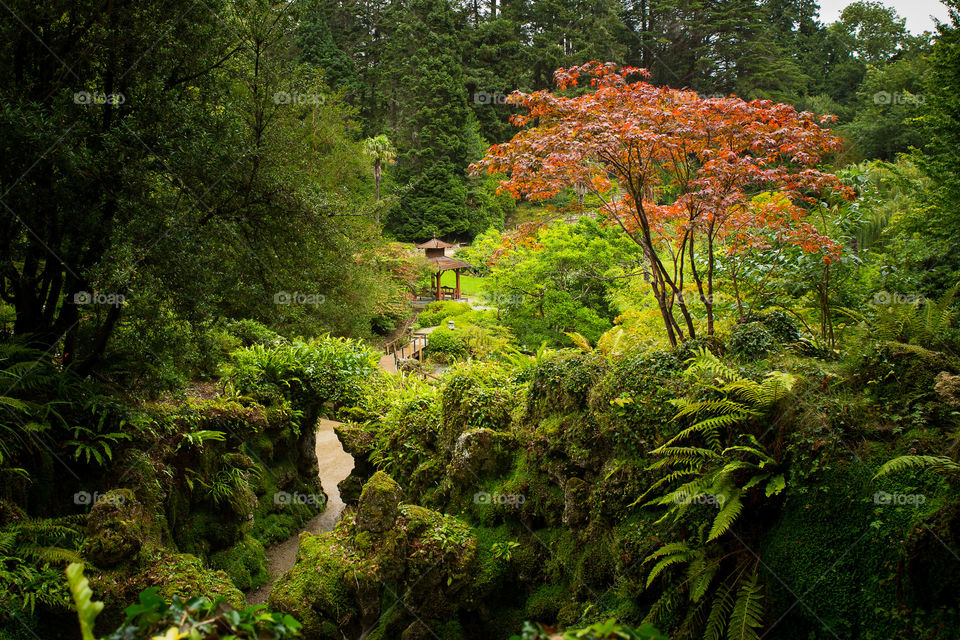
column 917, row 12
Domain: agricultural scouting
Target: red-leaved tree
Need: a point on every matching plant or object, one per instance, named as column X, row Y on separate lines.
column 676, row 171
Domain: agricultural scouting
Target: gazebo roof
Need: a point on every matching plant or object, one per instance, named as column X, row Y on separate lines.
column 434, row 244
column 446, row 264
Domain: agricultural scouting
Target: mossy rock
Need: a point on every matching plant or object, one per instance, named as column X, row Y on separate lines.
column 117, row 528
column 563, row 383
column 901, row 372
column 379, row 503
column 172, row 573
column 479, row 453
column 245, row 563
column 315, row 590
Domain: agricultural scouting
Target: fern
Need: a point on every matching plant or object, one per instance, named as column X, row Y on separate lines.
column 696, row 471
column 720, row 612
column 747, row 614
column 728, row 515
column 936, row 464
column 579, row 341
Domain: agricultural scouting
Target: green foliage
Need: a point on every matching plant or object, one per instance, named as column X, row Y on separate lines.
column 87, row 609
column 934, row 464
column 436, row 312
column 560, row 283
column 200, row 618
column 752, row 340
column 699, row 470
column 607, row 630
column 923, row 322
column 308, row 373
column 32, row 553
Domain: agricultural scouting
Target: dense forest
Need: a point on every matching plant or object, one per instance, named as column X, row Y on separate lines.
column 463, row 319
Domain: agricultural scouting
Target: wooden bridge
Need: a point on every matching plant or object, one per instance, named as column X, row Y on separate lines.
column 402, row 348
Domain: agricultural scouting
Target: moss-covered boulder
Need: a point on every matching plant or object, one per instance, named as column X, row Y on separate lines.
column 343, row 579
column 359, row 443
column 315, row 591
column 379, row 503
column 117, row 528
column 478, row 453
column 245, row 563
column 172, row 573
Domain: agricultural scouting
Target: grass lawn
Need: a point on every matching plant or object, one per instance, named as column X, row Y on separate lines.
column 469, row 285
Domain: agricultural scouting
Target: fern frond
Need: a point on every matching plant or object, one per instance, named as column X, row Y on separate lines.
column 723, row 601
column 931, row 463
column 747, row 614
column 727, row 517
column 579, row 341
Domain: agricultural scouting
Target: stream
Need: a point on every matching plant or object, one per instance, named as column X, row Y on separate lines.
column 335, row 465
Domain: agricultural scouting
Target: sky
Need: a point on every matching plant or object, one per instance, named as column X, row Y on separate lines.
column 917, row 12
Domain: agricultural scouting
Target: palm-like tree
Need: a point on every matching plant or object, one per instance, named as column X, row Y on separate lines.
column 380, row 151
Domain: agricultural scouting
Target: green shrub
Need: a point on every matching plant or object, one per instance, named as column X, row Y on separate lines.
column 447, row 344
column 752, row 340
column 309, row 374
column 782, row 326
column 250, row 332
column 437, row 312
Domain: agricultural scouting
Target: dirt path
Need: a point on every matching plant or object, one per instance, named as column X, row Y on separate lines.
column 335, row 465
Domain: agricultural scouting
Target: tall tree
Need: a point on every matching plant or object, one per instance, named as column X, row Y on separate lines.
column 433, row 123
column 379, row 152
column 184, row 172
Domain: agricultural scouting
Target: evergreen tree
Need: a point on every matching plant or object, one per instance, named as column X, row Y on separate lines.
column 433, row 124
column 317, row 47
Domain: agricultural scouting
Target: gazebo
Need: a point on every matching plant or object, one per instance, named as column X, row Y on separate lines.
column 436, row 254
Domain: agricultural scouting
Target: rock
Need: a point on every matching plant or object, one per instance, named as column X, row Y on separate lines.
column 379, row 503
column 477, row 453
column 947, row 387
column 358, row 442
column 576, row 506
column 117, row 528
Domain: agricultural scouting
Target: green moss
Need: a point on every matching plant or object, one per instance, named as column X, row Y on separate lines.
column 245, row 563
column 314, row 591
column 178, row 574
column 379, row 503
column 544, row 604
